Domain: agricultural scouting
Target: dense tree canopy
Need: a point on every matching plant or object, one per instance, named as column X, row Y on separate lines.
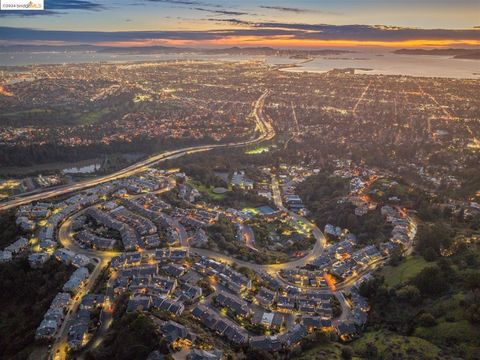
column 25, row 297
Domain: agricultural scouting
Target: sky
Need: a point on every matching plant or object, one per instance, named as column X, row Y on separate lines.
column 215, row 23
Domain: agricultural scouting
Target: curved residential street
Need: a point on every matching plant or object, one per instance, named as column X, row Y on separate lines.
column 102, row 258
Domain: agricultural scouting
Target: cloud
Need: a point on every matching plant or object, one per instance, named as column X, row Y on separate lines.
column 233, row 21
column 177, row 2
column 28, row 13
column 28, row 34
column 204, row 7
column 264, row 30
column 297, row 10
column 222, row 12
column 186, row 2
column 358, row 32
column 286, row 9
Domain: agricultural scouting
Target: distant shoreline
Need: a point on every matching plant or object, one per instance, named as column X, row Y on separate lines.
column 387, row 63
column 470, row 54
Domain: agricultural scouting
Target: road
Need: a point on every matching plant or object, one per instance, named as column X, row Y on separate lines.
column 354, row 110
column 60, row 346
column 266, row 130
column 320, row 239
column 106, row 318
column 102, row 258
column 346, row 314
column 277, row 194
column 296, row 132
column 65, row 237
column 182, row 233
column 273, row 269
column 318, row 249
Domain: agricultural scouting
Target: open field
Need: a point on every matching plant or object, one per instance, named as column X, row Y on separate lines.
column 92, row 117
column 403, row 272
column 206, row 191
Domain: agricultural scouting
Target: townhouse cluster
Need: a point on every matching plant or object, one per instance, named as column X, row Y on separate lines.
column 147, row 285
column 404, row 228
column 223, row 326
column 46, row 217
column 143, row 222
column 79, row 331
column 155, row 210
column 272, row 310
column 130, row 239
column 198, row 217
column 342, row 260
column 14, row 249
column 289, row 176
column 137, row 231
column 226, row 275
column 167, row 282
column 54, row 316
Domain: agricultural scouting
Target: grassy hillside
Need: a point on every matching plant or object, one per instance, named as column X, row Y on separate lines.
column 385, row 345
column 425, row 307
column 403, row 272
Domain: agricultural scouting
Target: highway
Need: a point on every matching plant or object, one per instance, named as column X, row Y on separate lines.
column 102, row 258
column 266, row 130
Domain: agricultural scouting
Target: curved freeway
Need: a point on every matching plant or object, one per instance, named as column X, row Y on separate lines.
column 266, row 129
column 65, row 236
column 59, row 348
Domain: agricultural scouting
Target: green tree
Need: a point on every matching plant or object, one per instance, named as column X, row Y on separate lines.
column 471, row 278
column 472, row 313
column 430, row 281
column 409, row 294
column 427, row 320
column 430, row 254
column 347, row 352
column 436, row 236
